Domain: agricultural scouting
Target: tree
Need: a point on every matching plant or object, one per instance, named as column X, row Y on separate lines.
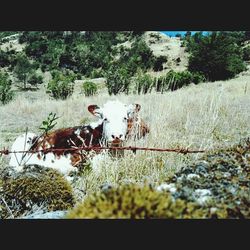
column 218, row 56
column 6, row 94
column 23, row 68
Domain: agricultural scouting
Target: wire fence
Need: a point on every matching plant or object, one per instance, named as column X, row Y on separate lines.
column 76, row 149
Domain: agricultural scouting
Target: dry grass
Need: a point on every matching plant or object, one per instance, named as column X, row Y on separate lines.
column 205, row 116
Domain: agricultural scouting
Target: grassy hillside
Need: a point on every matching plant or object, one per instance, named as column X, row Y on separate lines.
column 206, row 116
column 210, row 116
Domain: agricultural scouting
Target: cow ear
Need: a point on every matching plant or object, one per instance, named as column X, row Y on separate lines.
column 95, row 110
column 133, row 109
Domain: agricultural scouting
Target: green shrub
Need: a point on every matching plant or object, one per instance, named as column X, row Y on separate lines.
column 138, row 202
column 89, row 88
column 40, row 186
column 60, row 87
column 144, row 83
column 180, row 79
column 198, row 77
column 158, row 63
column 78, row 76
column 35, row 79
column 6, row 94
column 118, row 80
column 175, row 80
column 5, row 58
column 96, row 73
column 246, row 53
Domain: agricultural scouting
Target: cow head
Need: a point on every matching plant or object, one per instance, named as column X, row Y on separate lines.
column 114, row 116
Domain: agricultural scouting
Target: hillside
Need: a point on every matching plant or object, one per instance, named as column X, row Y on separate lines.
column 212, row 116
column 207, row 116
column 162, row 45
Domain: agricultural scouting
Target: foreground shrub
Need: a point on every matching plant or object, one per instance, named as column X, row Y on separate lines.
column 89, row 88
column 41, row 187
column 135, row 202
column 6, row 94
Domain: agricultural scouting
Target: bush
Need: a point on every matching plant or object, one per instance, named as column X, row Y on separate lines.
column 4, row 59
column 180, row 79
column 175, row 80
column 198, row 77
column 158, row 63
column 6, row 94
column 35, row 79
column 246, row 53
column 144, row 83
column 97, row 73
column 137, row 202
column 218, row 55
column 118, row 80
column 60, row 86
column 89, row 88
column 40, row 186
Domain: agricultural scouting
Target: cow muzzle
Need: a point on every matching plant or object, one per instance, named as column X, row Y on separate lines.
column 117, row 140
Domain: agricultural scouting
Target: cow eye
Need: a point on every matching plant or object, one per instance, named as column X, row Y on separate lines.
column 125, row 118
column 105, row 119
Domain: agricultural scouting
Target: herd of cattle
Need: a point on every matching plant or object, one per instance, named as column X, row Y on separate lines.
column 116, row 123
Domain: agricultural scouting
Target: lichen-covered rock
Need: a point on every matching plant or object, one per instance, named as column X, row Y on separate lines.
column 224, row 177
column 134, row 202
column 46, row 215
column 45, row 187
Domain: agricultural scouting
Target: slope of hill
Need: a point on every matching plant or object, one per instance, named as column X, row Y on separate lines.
column 162, row 45
column 210, row 116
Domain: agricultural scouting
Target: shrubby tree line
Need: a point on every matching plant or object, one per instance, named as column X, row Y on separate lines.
column 71, row 55
column 88, row 52
column 217, row 56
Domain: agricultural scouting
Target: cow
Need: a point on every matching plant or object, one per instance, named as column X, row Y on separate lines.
column 116, row 123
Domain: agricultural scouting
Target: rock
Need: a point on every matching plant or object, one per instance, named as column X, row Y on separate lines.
column 106, row 187
column 191, row 176
column 202, row 196
column 46, row 215
column 167, row 187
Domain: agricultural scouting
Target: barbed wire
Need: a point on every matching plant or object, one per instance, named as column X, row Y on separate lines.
column 75, row 149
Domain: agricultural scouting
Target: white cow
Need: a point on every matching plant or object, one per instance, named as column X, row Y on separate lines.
column 114, row 125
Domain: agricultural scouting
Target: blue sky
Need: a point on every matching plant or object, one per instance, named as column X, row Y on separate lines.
column 173, row 33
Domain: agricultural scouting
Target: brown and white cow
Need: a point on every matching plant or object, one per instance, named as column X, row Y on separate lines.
column 116, row 123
